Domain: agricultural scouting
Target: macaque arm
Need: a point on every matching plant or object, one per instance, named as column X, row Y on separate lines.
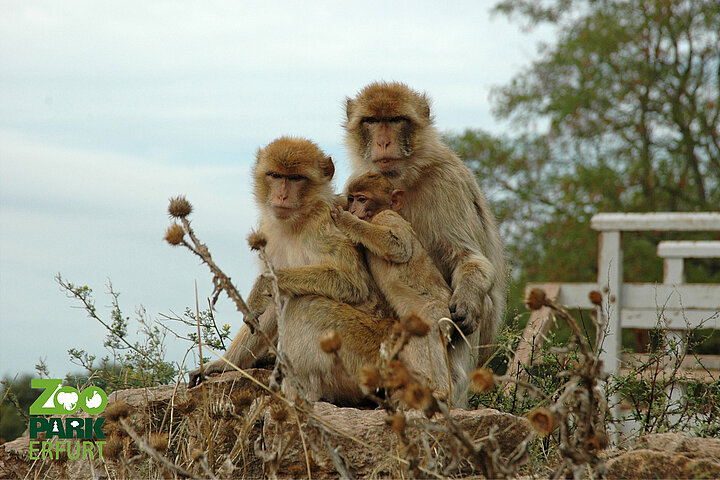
column 388, row 236
column 347, row 285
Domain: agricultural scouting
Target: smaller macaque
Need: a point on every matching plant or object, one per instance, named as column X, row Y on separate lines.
column 402, row 269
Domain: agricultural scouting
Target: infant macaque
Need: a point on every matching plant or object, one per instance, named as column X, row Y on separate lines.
column 402, row 269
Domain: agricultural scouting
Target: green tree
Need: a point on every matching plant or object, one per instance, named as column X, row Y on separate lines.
column 621, row 113
column 17, row 396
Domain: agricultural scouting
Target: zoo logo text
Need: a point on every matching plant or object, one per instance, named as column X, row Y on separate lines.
column 59, row 400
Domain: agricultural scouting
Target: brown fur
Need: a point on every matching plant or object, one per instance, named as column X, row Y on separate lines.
column 404, row 273
column 321, row 276
column 442, row 202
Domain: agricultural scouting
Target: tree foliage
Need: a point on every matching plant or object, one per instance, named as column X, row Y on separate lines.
column 620, row 114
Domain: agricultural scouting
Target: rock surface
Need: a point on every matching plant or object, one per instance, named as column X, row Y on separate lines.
column 668, row 455
column 254, row 435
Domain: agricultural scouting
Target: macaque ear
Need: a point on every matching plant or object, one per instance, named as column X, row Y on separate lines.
column 425, row 106
column 396, row 199
column 328, row 167
column 349, row 104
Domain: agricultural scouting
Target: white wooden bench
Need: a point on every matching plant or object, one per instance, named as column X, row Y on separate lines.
column 673, row 305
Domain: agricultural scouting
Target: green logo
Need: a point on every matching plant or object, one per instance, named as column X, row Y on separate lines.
column 59, row 400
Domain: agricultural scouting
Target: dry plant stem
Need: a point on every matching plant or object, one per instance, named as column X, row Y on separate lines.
column 561, row 312
column 304, row 445
column 522, row 383
column 145, row 447
column 221, row 281
column 202, row 375
column 338, row 461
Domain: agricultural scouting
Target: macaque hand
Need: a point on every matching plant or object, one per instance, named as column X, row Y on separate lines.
column 468, row 308
column 214, row 367
column 342, row 218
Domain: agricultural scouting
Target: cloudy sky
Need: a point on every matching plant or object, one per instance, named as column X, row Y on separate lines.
column 107, row 109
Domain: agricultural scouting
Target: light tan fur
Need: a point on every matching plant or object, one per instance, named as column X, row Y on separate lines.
column 404, row 273
column 321, row 277
column 442, row 202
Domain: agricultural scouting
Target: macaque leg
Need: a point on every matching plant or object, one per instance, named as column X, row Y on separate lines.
column 303, row 321
column 245, row 350
column 425, row 356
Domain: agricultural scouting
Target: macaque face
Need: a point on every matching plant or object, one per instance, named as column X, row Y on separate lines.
column 286, row 193
column 365, row 205
column 387, row 140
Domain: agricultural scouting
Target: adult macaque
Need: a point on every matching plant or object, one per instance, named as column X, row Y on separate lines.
column 320, row 275
column 389, row 130
column 402, row 269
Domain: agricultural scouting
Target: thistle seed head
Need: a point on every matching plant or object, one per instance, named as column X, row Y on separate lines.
column 482, row 380
column 257, row 240
column 415, row 326
column 330, row 341
column 174, row 234
column 179, row 207
column 542, row 420
column 536, row 299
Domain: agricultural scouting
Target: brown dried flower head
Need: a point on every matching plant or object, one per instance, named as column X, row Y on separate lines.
column 397, row 422
column 159, row 441
column 112, row 448
column 415, row 326
column 279, row 412
column 398, row 375
column 174, row 234
column 542, row 420
column 417, row 396
column 330, row 341
column 369, row 378
column 257, row 240
column 597, row 442
column 482, row 380
column 596, row 298
column 117, row 410
column 179, row 207
column 536, row 299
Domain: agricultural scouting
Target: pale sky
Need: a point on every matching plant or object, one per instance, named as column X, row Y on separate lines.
column 107, row 109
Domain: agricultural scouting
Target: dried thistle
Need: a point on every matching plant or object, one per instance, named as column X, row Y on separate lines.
column 596, row 298
column 112, row 448
column 482, row 380
column 417, row 396
column 257, row 240
column 398, row 375
column 369, row 378
column 159, row 441
column 279, row 413
column 174, row 234
column 415, row 326
column 597, row 442
column 117, row 410
column 330, row 341
column 536, row 299
column 397, row 422
column 179, row 207
column 542, row 420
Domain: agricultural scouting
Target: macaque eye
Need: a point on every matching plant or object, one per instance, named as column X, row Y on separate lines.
column 370, row 120
column 399, row 119
column 274, row 175
column 361, row 199
column 295, row 178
